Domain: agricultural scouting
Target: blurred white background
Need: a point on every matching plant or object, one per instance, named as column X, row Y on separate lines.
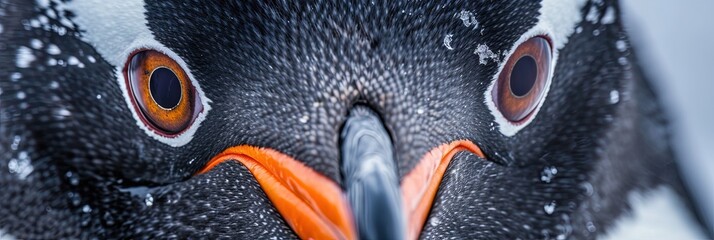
column 675, row 43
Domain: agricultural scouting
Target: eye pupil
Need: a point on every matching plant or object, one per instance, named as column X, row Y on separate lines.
column 523, row 76
column 165, row 88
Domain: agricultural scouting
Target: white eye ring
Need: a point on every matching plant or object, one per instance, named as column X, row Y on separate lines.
column 184, row 137
column 557, row 20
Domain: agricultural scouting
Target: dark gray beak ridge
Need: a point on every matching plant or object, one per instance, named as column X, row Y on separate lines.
column 370, row 176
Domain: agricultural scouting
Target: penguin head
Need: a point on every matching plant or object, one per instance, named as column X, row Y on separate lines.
column 310, row 119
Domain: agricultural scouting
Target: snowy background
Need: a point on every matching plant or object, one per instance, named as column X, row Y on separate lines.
column 675, row 42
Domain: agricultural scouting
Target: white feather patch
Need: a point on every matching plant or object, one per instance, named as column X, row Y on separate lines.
column 659, row 214
column 111, row 26
column 118, row 28
column 557, row 20
column 6, row 236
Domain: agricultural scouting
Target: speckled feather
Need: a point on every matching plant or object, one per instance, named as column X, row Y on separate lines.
column 284, row 75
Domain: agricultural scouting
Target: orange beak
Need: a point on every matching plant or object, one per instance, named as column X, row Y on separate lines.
column 316, row 207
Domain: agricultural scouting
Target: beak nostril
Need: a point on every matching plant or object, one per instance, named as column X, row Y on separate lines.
column 370, row 177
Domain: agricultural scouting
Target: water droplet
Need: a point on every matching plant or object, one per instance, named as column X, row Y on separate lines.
column 62, row 113
column 420, row 110
column 35, row 23
column 74, row 198
column 91, row 59
column 468, row 19
column 304, row 119
column 15, row 76
column 20, row 166
column 20, row 95
column 53, row 49
column 447, row 41
column 12, row 165
column 614, row 96
column 72, row 60
column 149, row 200
column 596, row 32
column 578, row 29
column 591, row 227
column 621, row 45
column 36, row 43
column 43, row 19
column 622, row 61
column 549, row 208
column 60, row 30
column 548, row 174
column 86, row 209
column 54, row 85
column 15, row 142
column 484, row 53
column 99, row 96
column 434, row 221
column 73, row 178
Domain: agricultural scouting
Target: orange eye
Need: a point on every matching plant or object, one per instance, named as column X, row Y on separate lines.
column 162, row 92
column 522, row 81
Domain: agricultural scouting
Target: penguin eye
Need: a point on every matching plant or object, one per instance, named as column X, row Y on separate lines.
column 162, row 92
column 522, row 81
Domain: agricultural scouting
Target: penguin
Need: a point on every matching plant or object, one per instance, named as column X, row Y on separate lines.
column 331, row 120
